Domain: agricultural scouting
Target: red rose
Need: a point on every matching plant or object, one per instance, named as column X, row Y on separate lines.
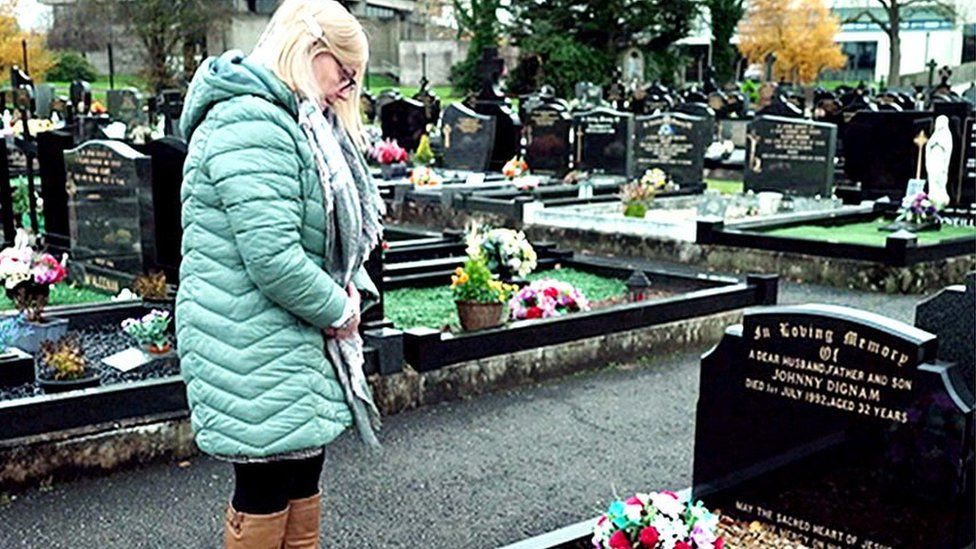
column 619, row 540
column 649, row 537
column 533, row 312
column 682, row 545
column 720, row 543
column 551, row 292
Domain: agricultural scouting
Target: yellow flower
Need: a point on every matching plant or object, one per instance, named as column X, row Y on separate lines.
column 458, row 278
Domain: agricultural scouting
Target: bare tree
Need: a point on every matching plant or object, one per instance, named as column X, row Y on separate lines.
column 895, row 12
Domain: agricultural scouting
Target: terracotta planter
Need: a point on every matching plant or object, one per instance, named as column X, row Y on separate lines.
column 480, row 316
column 159, row 351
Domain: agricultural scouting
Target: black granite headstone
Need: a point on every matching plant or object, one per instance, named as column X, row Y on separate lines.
column 603, row 141
column 468, row 138
column 405, row 121
column 508, row 130
column 790, row 155
column 839, row 426
column 880, row 151
column 50, row 158
column 80, row 95
column 110, row 210
column 547, row 133
column 950, row 315
column 967, row 194
column 673, row 142
column 168, row 155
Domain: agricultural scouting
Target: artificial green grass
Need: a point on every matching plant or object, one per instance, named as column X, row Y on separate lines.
column 434, row 307
column 64, row 294
column 866, row 233
column 724, row 186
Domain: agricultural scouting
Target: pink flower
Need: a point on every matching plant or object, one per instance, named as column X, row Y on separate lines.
column 649, row 537
column 619, row 540
column 682, row 545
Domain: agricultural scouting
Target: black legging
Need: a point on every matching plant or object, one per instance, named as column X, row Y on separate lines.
column 265, row 488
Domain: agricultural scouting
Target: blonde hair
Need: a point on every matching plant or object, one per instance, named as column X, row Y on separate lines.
column 289, row 44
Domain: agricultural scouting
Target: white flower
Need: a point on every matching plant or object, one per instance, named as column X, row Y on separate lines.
column 667, row 504
column 633, row 512
column 125, row 295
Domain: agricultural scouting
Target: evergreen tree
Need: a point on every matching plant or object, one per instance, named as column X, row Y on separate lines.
column 725, row 16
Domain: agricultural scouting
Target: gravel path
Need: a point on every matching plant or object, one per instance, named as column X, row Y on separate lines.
column 477, row 473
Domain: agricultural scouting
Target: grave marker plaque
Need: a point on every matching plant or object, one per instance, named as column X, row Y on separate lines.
column 837, row 426
column 110, row 212
column 790, row 155
column 547, row 135
column 603, row 142
column 405, row 121
column 468, row 138
column 675, row 143
column 168, row 155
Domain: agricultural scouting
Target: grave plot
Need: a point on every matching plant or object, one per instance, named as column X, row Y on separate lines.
column 853, row 248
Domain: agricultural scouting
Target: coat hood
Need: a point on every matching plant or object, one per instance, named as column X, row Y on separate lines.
column 231, row 75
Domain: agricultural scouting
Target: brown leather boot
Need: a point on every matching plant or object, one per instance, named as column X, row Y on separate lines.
column 302, row 530
column 245, row 531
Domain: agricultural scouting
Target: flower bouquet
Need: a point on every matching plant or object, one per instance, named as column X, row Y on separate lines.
column 150, row 331
column 636, row 197
column 27, row 277
column 547, row 298
column 921, row 214
column 659, row 520
column 391, row 157
column 479, row 296
column 515, row 168
column 507, row 253
column 424, row 177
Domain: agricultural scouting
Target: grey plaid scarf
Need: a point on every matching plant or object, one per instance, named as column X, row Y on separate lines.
column 354, row 213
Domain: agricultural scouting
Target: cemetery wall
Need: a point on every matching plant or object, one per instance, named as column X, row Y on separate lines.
column 441, row 56
column 842, row 273
column 102, row 448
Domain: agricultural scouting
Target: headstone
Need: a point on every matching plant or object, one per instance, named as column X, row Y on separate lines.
column 950, row 315
column 385, row 98
column 432, row 104
column 110, row 211
column 508, row 130
column 547, row 133
column 168, row 155
column 673, row 142
column 171, row 107
column 838, row 426
column 880, row 151
column 468, row 138
column 779, row 106
column 405, row 121
column 367, row 104
column 790, row 156
column 80, row 95
column 125, row 105
column 603, row 142
column 43, row 100
column 967, row 194
column 51, row 147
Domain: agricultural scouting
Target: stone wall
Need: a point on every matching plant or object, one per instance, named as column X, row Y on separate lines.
column 839, row 272
column 100, row 449
column 441, row 56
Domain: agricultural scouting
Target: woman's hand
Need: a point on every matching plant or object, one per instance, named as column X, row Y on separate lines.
column 351, row 327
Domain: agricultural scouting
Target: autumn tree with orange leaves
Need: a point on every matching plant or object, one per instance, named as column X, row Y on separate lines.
column 799, row 33
column 11, row 49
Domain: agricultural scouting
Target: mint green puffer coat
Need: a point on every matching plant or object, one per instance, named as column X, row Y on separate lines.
column 253, row 297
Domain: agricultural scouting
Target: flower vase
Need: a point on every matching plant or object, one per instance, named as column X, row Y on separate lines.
column 48, row 329
column 394, row 171
column 159, row 350
column 635, row 209
column 475, row 315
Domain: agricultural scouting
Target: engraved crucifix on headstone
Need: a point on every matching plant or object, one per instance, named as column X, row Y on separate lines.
column 920, row 141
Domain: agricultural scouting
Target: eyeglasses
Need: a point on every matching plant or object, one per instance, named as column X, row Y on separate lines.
column 348, row 81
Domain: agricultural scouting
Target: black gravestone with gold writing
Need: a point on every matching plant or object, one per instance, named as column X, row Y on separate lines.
column 603, row 140
column 468, row 138
column 673, row 142
column 547, row 134
column 790, row 155
column 110, row 213
column 838, row 426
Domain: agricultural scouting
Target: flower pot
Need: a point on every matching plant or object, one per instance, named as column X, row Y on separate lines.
column 16, row 367
column 35, row 332
column 394, row 171
column 479, row 316
column 157, row 351
column 635, row 209
column 50, row 385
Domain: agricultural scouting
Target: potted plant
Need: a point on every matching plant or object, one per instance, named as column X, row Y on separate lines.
column 480, row 297
column 16, row 366
column 27, row 277
column 392, row 159
column 655, row 521
column 547, row 298
column 63, row 366
column 638, row 195
column 152, row 288
column 424, row 155
column 150, row 331
column 506, row 252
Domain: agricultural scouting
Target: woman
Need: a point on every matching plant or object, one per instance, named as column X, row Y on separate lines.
column 279, row 214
